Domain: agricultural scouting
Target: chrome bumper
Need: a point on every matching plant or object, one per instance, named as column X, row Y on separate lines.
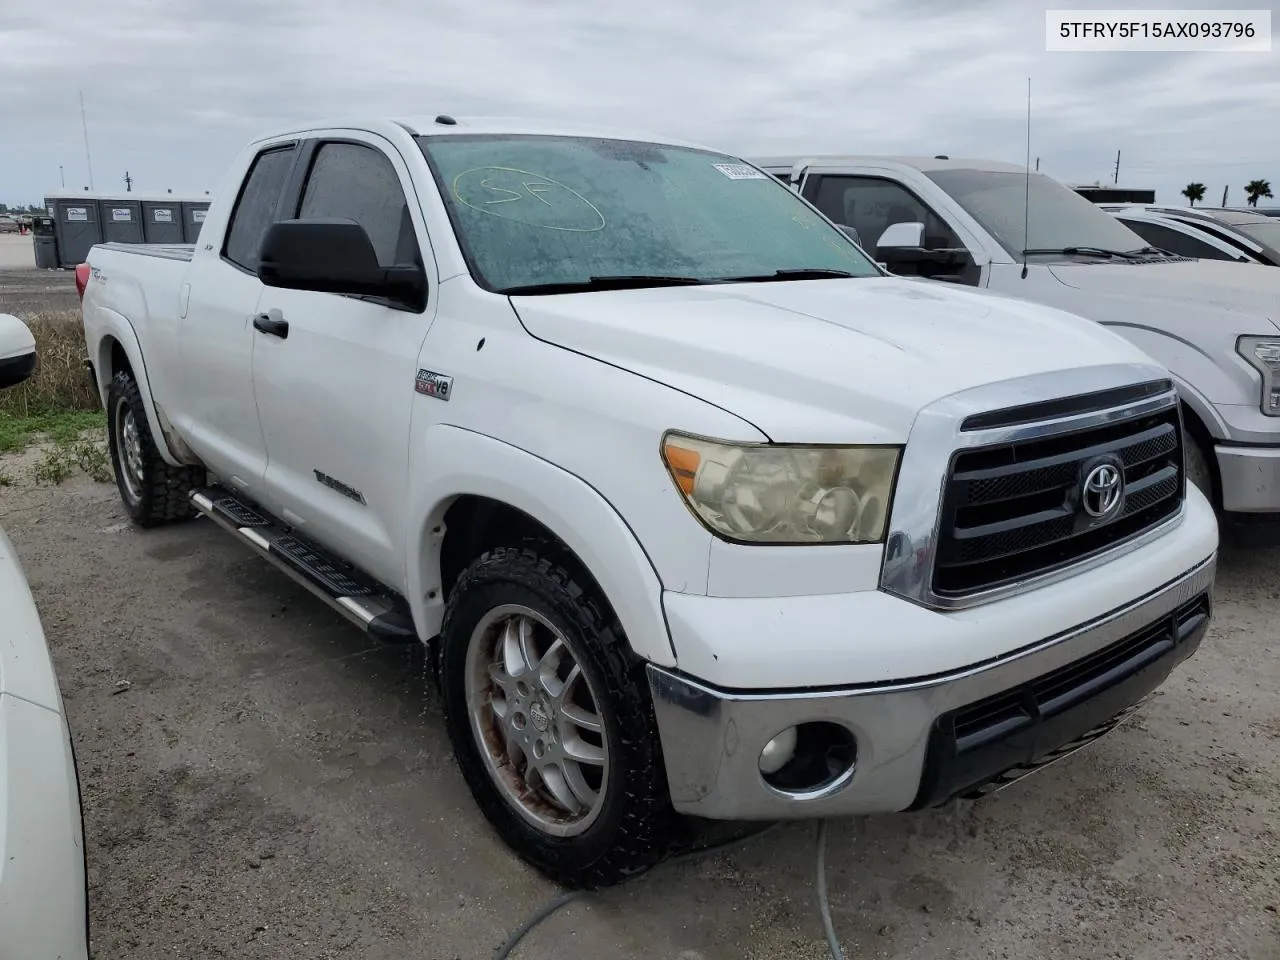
column 1250, row 479
column 712, row 739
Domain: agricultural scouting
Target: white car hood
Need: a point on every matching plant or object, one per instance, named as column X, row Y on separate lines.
column 1245, row 288
column 822, row 361
column 26, row 669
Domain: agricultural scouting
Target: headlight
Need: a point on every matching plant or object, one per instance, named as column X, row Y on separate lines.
column 1263, row 354
column 767, row 493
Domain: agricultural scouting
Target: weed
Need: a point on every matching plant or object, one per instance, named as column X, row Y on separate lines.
column 56, row 465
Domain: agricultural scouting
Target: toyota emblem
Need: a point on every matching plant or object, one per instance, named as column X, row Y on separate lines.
column 1103, row 491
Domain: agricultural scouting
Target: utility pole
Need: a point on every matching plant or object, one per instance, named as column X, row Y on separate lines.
column 128, row 182
column 62, row 177
column 84, row 124
column 1224, row 194
column 1037, row 164
column 1116, row 180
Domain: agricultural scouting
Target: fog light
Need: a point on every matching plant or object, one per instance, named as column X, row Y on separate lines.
column 778, row 751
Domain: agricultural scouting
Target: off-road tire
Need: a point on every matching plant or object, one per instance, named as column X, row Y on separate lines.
column 165, row 490
column 634, row 827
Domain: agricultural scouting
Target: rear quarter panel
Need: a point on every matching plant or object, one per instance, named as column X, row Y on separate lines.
column 132, row 299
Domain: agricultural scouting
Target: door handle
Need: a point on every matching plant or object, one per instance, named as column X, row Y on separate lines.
column 275, row 326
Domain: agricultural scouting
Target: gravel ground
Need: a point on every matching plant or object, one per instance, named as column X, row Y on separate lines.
column 262, row 782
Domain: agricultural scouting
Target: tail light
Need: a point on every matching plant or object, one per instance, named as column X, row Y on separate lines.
column 82, row 279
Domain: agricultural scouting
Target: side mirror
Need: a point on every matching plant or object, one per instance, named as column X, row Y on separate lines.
column 335, row 256
column 899, row 236
column 849, row 232
column 903, row 243
column 17, row 351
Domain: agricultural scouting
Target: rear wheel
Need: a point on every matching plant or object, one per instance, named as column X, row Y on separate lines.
column 551, row 720
column 153, row 491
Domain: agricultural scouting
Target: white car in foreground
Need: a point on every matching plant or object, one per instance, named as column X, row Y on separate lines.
column 43, row 898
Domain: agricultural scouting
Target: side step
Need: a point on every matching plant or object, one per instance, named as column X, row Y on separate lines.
column 374, row 608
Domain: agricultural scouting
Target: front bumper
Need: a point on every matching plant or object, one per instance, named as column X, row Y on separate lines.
column 43, row 899
column 1250, row 478
column 924, row 741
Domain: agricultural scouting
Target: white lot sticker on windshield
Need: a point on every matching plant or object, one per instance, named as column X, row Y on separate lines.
column 739, row 171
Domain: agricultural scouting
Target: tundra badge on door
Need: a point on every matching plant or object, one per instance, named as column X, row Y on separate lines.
column 433, row 384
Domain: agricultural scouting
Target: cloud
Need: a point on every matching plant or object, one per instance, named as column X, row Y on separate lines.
column 173, row 91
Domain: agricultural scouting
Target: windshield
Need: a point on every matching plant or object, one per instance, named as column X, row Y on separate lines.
column 1267, row 234
column 542, row 211
column 1059, row 217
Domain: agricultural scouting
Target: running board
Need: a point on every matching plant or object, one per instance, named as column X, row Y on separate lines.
column 369, row 605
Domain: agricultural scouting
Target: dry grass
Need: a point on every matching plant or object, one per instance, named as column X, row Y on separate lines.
column 58, row 400
column 59, row 383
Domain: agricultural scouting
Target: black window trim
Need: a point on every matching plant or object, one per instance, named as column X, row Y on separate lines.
column 296, row 187
column 277, row 147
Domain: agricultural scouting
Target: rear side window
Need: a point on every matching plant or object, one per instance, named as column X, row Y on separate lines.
column 256, row 206
column 351, row 181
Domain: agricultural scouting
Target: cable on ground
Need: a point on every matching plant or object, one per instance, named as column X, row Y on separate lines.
column 824, row 906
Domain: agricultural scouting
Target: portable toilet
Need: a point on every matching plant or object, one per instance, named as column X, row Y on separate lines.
column 162, row 221
column 76, row 226
column 121, row 220
column 193, row 212
column 45, row 243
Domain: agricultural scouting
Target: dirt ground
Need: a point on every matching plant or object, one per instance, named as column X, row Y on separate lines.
column 262, row 781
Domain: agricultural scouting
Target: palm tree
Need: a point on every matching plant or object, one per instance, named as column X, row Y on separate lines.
column 1193, row 191
column 1256, row 189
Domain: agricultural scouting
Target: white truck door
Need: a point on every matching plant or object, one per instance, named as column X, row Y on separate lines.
column 871, row 203
column 335, row 393
column 213, row 403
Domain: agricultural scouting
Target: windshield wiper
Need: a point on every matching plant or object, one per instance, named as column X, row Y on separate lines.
column 799, row 273
column 1082, row 252
column 620, row 282
column 1158, row 252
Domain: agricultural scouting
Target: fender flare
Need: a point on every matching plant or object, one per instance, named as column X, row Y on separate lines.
column 458, row 462
column 1201, row 407
column 118, row 327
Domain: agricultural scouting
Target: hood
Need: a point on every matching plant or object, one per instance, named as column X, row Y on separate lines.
column 822, row 361
column 26, row 670
column 1250, row 289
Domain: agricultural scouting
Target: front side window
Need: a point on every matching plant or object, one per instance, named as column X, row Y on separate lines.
column 873, row 204
column 548, row 212
column 351, row 181
column 255, row 209
column 1055, row 218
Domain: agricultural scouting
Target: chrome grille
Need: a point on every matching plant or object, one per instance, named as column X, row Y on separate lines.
column 1013, row 511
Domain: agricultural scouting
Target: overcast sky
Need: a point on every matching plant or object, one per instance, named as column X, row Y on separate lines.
column 173, row 88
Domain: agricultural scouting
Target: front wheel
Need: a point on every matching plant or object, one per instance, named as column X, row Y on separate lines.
column 1198, row 470
column 551, row 721
column 152, row 490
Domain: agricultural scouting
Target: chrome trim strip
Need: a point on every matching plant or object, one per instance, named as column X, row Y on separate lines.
column 355, row 607
column 254, row 537
column 712, row 738
column 935, row 437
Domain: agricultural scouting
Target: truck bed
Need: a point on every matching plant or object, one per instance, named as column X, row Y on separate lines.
column 166, row 251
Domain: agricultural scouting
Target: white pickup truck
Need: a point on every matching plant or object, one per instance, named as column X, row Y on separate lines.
column 1214, row 325
column 700, row 511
